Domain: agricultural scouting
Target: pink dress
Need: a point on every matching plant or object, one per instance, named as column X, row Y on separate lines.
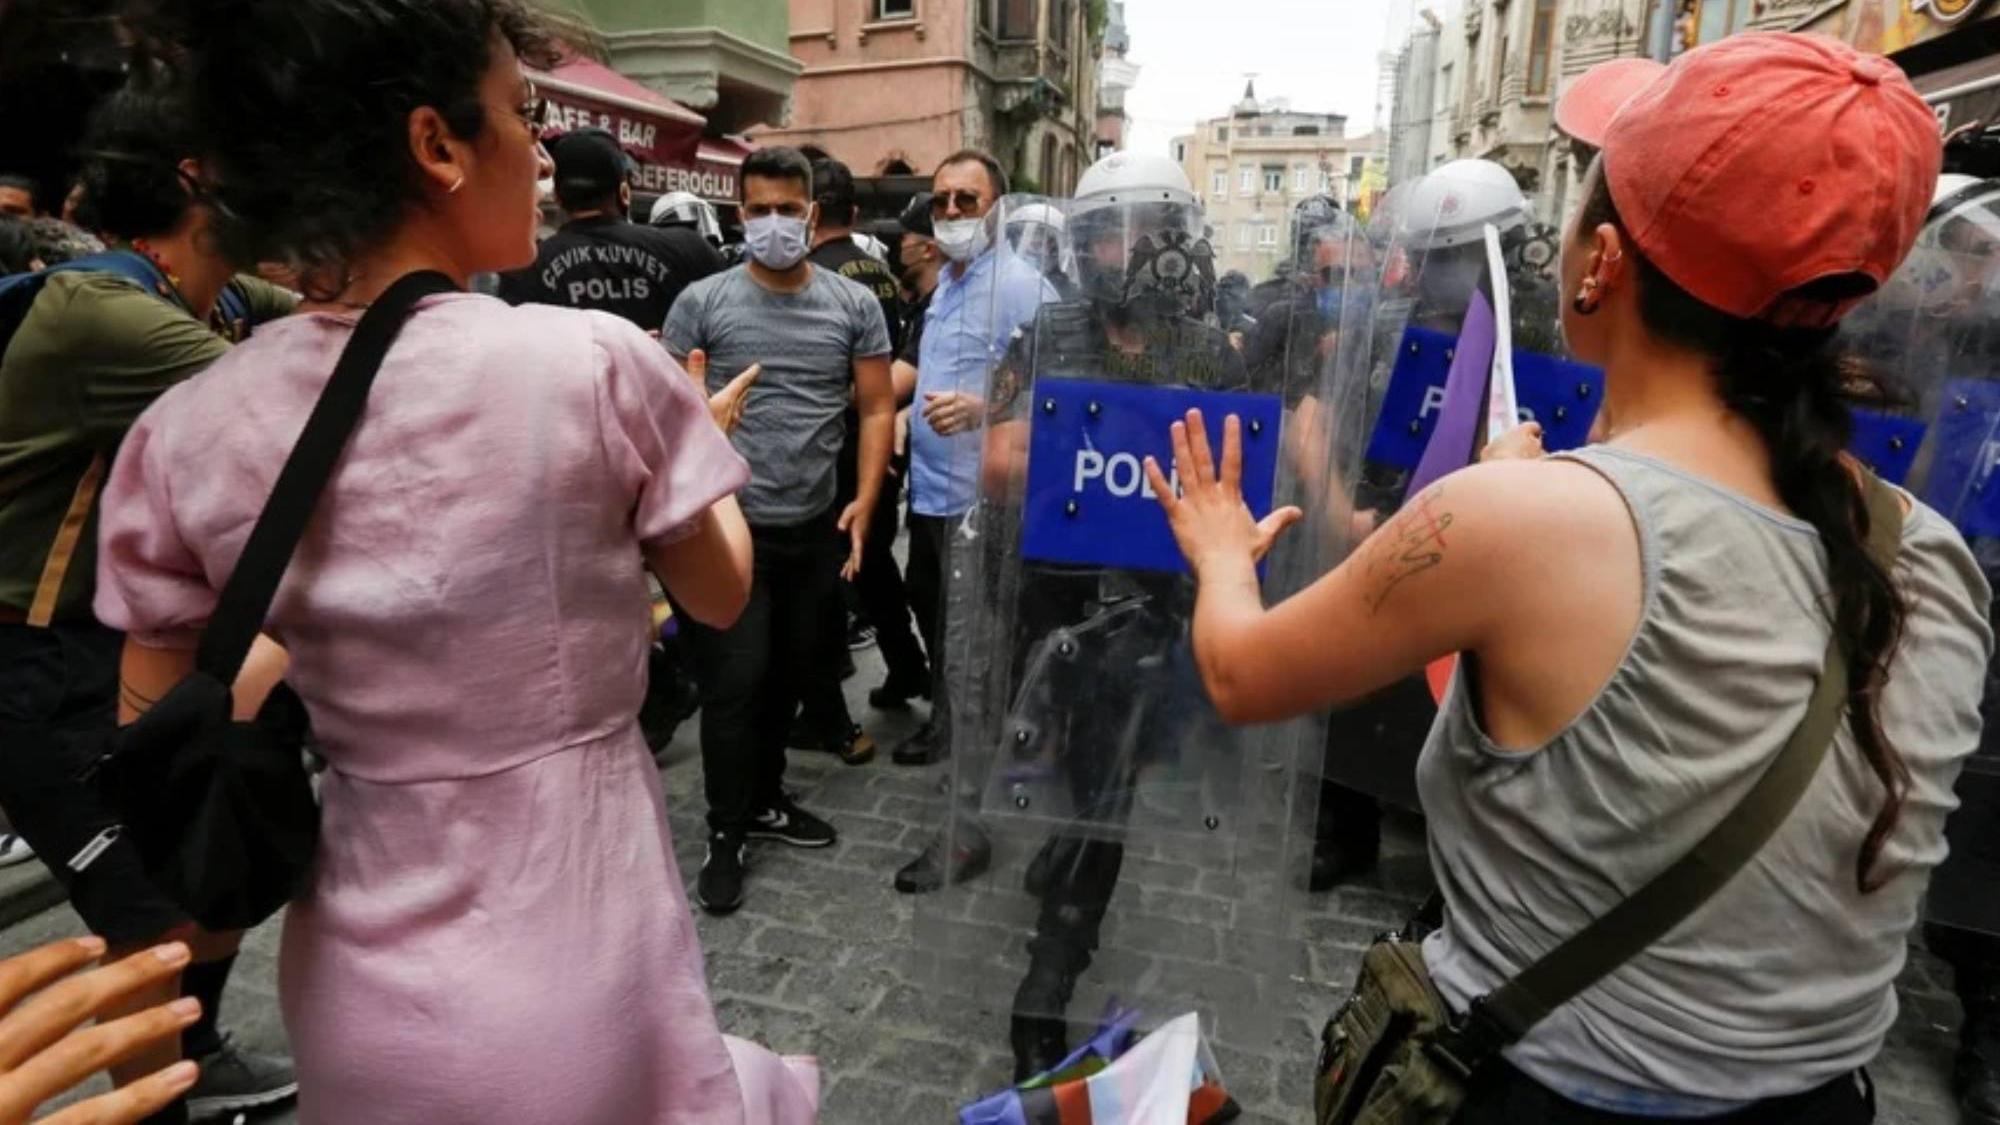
column 496, row 930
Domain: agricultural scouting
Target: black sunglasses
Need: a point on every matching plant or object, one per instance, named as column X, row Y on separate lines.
column 968, row 202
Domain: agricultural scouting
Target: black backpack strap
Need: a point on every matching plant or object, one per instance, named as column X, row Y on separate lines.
column 246, row 597
column 1669, row 898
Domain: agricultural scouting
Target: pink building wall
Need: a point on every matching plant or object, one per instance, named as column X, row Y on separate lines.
column 873, row 92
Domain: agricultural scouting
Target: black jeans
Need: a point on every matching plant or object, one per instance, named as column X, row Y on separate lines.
column 58, row 708
column 930, row 543
column 752, row 673
column 880, row 596
column 1502, row 1095
column 885, row 598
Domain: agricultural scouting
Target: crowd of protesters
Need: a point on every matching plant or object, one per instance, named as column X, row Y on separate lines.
column 622, row 413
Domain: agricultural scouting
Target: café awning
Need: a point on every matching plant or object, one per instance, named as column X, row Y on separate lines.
column 653, row 128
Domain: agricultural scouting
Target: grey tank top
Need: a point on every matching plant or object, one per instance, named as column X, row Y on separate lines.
column 1785, row 979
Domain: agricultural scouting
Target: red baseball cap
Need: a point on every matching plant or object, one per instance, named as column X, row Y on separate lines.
column 1768, row 160
column 1590, row 102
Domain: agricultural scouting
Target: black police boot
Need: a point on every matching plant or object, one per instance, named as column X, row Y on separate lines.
column 1057, row 853
column 1039, row 1031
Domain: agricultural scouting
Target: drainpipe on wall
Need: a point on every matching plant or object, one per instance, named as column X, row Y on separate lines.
column 1660, row 36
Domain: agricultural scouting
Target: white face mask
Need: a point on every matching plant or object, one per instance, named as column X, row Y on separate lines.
column 776, row 242
column 960, row 239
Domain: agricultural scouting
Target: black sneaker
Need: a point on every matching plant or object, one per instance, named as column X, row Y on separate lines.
column 719, row 887
column 787, row 823
column 234, row 1080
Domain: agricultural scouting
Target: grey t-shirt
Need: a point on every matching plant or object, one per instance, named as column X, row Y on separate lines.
column 808, row 342
column 1786, row 978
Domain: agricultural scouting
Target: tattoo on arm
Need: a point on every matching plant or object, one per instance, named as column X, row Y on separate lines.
column 1406, row 546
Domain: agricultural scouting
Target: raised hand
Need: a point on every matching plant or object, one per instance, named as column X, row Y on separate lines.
column 725, row 405
column 1210, row 520
column 45, row 1050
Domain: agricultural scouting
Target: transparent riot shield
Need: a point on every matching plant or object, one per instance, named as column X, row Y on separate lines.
column 1932, row 336
column 1449, row 340
column 1130, row 846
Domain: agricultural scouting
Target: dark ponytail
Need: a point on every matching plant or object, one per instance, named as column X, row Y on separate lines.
column 1794, row 387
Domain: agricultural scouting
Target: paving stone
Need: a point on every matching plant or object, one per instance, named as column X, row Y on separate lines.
column 905, row 1000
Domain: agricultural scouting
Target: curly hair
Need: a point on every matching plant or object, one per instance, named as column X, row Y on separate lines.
column 304, row 108
column 57, row 242
column 132, row 151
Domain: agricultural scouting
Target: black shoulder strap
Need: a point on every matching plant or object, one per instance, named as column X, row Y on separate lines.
column 246, row 597
column 1506, row 1014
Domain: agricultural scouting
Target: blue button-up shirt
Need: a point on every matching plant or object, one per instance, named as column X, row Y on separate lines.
column 966, row 330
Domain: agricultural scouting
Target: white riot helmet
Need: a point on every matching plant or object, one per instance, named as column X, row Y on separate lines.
column 1035, row 231
column 1135, row 177
column 1453, row 204
column 870, row 245
column 686, row 209
column 1139, row 240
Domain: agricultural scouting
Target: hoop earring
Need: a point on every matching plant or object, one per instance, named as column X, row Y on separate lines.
column 456, row 184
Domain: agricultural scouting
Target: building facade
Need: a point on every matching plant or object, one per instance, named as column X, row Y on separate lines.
column 728, row 60
column 894, row 86
column 1480, row 79
column 1115, row 75
column 1254, row 166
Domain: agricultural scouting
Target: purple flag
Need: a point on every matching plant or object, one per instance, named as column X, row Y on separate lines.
column 1450, row 447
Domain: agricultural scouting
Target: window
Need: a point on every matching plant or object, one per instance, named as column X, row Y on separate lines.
column 1218, row 183
column 1049, row 172
column 985, row 14
column 1541, row 39
column 1180, row 152
column 1355, row 166
column 1059, row 11
column 1017, row 19
column 1246, row 179
column 1267, row 235
column 895, row 9
column 1444, row 84
column 1274, row 180
column 1221, row 133
column 1305, row 130
column 1301, row 179
column 1243, row 233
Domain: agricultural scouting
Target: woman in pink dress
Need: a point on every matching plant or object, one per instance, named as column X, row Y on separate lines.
column 495, row 930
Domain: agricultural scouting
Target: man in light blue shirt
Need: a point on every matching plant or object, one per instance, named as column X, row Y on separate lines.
column 981, row 299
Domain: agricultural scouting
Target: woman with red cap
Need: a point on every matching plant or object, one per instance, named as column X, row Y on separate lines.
column 1643, row 622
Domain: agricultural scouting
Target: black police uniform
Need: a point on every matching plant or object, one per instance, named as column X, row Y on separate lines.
column 1107, row 643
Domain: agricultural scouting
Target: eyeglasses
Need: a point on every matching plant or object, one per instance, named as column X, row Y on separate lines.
column 534, row 113
column 968, row 203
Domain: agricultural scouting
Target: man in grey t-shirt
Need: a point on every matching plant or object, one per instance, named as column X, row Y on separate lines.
column 820, row 339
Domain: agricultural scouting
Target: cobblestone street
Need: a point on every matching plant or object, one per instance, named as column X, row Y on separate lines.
column 819, row 959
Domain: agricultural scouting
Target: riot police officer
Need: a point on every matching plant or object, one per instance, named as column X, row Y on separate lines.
column 1100, row 685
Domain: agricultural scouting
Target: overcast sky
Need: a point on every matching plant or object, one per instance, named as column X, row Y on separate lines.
column 1194, row 54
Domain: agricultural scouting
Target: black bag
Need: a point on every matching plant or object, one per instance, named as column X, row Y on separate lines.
column 221, row 812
